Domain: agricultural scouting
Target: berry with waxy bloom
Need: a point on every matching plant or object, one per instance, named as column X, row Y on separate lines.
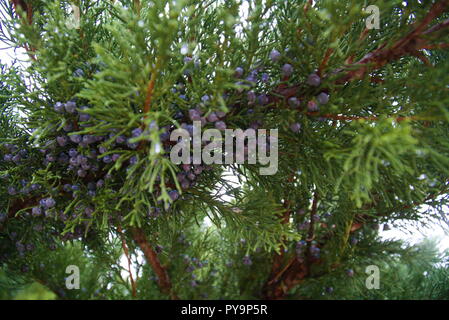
column 185, row 184
column 220, row 125
column 61, row 140
column 73, row 153
column 275, row 55
column 76, row 138
column 59, row 107
column 263, row 99
column 36, row 211
column 194, row 115
column 136, row 132
column 295, row 127
column 17, row 158
column 174, row 195
column 81, row 173
column 83, row 117
column 120, row 139
column 49, row 203
column 251, row 96
column 314, row 80
column 212, row 117
column 287, row 70
column 350, row 272
column 198, row 169
column 50, row 158
column 133, row 160
column 70, row 107
column 220, row 114
column 312, row 106
column 265, row 77
column 8, row 157
column 293, row 102
column 323, row 98
column 107, row 159
column 205, row 98
column 238, row 73
column 100, row 183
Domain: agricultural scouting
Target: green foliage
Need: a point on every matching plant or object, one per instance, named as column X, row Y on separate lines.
column 376, row 153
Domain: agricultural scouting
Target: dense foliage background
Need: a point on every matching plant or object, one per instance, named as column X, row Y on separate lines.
column 87, row 179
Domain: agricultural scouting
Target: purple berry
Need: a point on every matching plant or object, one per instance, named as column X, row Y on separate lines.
column 115, row 157
column 8, row 157
column 312, row 106
column 100, row 183
column 70, row 107
column 191, row 176
column 293, row 102
column 36, row 211
column 83, row 117
column 314, row 80
column 265, row 77
column 88, row 139
column 238, row 72
column 251, row 96
column 350, row 272
column 220, row 125
column 76, row 138
column 194, row 115
column 263, row 99
column 136, row 132
column 221, row 114
column 107, row 159
column 287, row 70
column 59, row 107
column 295, row 127
column 16, row 159
column 120, row 139
column 50, row 158
column 73, row 153
column 185, row 184
column 275, row 55
column 205, row 98
column 81, row 173
column 323, row 98
column 173, row 194
column 212, row 117
column 132, row 145
column 197, row 170
column 133, row 160
column 49, row 203
column 61, row 140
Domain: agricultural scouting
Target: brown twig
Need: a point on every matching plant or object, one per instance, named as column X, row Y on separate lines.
column 28, row 9
column 325, row 61
column 126, row 251
column 152, row 258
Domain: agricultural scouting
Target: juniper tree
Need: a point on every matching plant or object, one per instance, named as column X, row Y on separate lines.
column 87, row 177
